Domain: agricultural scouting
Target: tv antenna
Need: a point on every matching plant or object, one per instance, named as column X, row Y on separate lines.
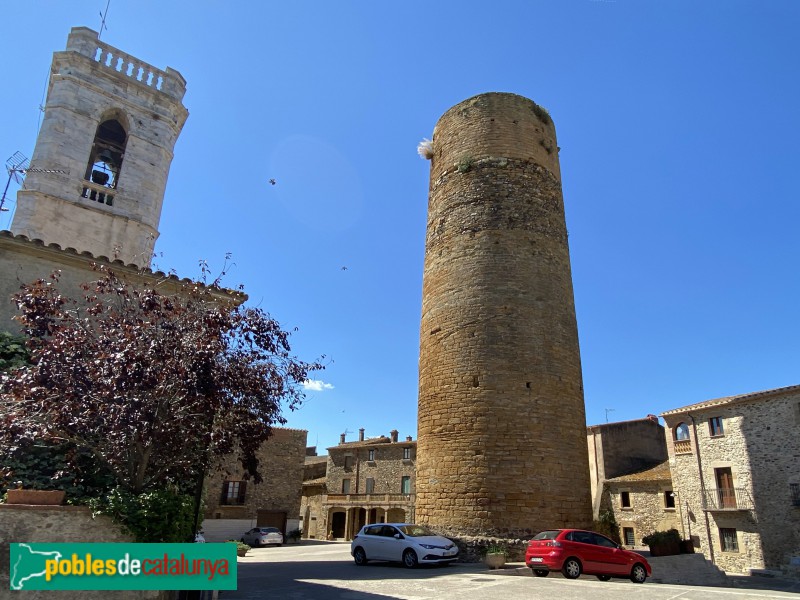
column 17, row 166
column 103, row 16
column 608, row 410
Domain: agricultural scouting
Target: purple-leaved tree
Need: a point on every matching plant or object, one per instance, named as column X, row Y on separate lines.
column 154, row 386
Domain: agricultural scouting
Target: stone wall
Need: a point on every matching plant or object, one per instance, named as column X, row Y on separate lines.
column 281, row 460
column 501, row 444
column 59, row 524
column 761, row 446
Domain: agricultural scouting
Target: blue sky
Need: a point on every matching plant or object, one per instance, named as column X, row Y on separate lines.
column 678, row 124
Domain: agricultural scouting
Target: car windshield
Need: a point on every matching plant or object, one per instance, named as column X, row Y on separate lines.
column 547, row 535
column 415, row 530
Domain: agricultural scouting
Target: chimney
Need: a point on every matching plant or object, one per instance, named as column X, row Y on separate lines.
column 341, row 438
column 393, row 435
column 361, row 435
column 408, row 438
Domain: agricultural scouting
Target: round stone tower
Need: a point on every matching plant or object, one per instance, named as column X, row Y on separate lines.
column 502, row 428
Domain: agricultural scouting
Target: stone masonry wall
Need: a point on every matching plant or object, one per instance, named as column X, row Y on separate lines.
column 387, row 469
column 59, row 524
column 761, row 446
column 647, row 512
column 501, row 439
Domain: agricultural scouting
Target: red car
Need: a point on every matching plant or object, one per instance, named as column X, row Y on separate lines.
column 574, row 551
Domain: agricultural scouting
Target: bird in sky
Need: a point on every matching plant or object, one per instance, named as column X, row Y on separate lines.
column 344, row 268
column 272, row 181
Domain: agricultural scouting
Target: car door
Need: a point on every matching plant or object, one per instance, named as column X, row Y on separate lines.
column 585, row 548
column 372, row 542
column 610, row 559
column 393, row 546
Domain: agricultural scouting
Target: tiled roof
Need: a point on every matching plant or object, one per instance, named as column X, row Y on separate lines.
column 763, row 395
column 654, row 419
column 318, row 481
column 660, row 472
column 313, row 460
column 372, row 442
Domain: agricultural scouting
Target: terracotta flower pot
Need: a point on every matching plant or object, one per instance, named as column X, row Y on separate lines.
column 37, row 497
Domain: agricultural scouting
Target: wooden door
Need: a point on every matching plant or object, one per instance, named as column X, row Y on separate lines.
column 725, row 491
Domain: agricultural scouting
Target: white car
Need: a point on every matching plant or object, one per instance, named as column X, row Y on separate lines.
column 263, row 536
column 401, row 542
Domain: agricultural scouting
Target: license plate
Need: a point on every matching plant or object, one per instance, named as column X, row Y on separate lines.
column 536, row 559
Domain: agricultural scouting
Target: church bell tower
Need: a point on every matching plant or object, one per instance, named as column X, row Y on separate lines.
column 99, row 169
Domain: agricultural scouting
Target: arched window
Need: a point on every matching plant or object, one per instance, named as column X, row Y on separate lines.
column 681, row 431
column 108, row 150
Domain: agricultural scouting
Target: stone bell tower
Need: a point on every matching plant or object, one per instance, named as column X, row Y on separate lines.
column 501, row 449
column 99, row 169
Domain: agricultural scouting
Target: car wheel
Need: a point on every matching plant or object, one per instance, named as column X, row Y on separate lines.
column 572, row 568
column 638, row 573
column 604, row 577
column 359, row 556
column 410, row 559
column 541, row 572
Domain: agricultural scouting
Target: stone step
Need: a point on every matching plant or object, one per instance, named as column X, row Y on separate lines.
column 687, row 569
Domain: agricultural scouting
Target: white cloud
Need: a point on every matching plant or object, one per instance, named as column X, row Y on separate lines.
column 316, row 385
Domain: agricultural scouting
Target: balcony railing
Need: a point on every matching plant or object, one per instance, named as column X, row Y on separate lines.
column 361, row 499
column 98, row 193
column 727, row 499
column 683, row 447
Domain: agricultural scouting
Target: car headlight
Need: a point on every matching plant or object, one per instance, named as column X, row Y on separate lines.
column 431, row 547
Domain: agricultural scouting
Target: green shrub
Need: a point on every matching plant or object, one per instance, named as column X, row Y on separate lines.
column 164, row 515
column 662, row 537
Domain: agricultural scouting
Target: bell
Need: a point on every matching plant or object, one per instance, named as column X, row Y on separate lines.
column 106, row 156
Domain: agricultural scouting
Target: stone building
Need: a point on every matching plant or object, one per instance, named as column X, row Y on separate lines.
column 734, row 464
column 644, row 502
column 501, row 413
column 312, row 513
column 96, row 182
column 367, row 481
column 622, row 448
column 234, row 505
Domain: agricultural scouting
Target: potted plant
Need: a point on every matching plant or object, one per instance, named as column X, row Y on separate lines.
column 294, row 536
column 241, row 547
column 20, row 495
column 663, row 543
column 495, row 556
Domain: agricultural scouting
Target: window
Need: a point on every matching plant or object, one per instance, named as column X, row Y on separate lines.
column 681, row 432
column 105, row 159
column 794, row 490
column 370, row 485
column 345, row 486
column 715, row 427
column 405, row 484
column 371, row 454
column 669, row 499
column 628, row 537
column 233, row 492
column 348, row 462
column 727, row 539
column 625, row 499
column 406, row 453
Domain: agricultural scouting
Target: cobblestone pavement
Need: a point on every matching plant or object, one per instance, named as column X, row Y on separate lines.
column 325, row 570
